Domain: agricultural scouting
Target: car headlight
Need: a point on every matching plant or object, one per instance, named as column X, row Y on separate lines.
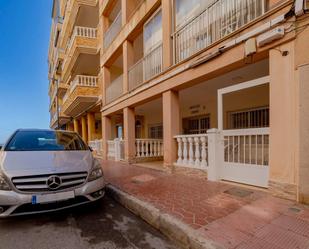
column 96, row 171
column 3, row 184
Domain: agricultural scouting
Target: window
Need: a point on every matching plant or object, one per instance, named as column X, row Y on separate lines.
column 156, row 131
column 138, row 129
column 45, row 141
column 153, row 33
column 196, row 125
column 119, row 131
column 185, row 10
column 251, row 118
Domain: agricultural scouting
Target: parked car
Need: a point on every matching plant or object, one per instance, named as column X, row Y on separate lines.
column 47, row 170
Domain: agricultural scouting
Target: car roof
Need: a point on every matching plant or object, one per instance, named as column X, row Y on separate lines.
column 33, row 130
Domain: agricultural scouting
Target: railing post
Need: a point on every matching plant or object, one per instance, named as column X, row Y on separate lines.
column 215, row 154
column 197, row 151
column 117, row 149
column 179, row 160
column 191, row 152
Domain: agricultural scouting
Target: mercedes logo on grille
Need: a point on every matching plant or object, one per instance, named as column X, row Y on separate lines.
column 54, row 182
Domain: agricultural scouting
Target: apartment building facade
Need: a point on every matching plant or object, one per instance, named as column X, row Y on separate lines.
column 220, row 86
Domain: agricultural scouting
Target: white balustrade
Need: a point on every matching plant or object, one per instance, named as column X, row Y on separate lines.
column 218, row 20
column 192, row 150
column 80, row 31
column 149, row 148
column 146, row 68
column 84, row 81
column 115, row 89
column 113, row 30
column 96, row 145
column 81, row 81
column 115, row 149
column 111, row 149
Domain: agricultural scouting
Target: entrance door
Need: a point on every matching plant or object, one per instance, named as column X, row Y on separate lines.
column 246, row 149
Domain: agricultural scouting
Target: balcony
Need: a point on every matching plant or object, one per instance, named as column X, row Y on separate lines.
column 219, row 20
column 114, row 90
column 58, row 60
column 78, row 12
column 53, row 120
column 83, row 41
column 83, row 92
column 58, row 120
column 112, row 31
column 146, row 68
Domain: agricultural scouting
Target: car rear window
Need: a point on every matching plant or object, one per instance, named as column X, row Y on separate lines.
column 45, row 141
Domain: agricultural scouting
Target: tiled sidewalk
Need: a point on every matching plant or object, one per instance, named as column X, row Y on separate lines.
column 232, row 216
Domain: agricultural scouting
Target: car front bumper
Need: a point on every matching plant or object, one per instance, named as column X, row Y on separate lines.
column 14, row 203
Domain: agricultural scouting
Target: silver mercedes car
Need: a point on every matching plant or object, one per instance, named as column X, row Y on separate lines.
column 47, row 170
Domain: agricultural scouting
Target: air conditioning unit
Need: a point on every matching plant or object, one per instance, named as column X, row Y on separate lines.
column 270, row 36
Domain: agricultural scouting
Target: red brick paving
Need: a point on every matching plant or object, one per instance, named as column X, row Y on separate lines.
column 254, row 221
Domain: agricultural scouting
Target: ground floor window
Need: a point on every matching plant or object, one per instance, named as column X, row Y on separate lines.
column 196, row 125
column 249, row 118
column 156, row 131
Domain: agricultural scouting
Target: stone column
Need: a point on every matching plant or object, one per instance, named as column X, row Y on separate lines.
column 215, row 154
column 84, row 129
column 91, row 125
column 129, row 133
column 302, row 67
column 128, row 55
column 76, row 125
column 70, row 126
column 167, row 17
column 105, row 82
column 171, row 126
column 283, row 123
column 106, row 134
column 127, row 6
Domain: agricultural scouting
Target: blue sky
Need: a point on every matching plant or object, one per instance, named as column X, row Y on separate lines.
column 24, row 36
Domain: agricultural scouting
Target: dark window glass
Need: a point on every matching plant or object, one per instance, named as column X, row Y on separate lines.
column 45, row 141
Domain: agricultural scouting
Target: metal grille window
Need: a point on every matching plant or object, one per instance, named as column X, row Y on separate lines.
column 253, row 118
column 156, row 131
column 197, row 125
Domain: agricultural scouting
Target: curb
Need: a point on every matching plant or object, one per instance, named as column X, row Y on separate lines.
column 176, row 230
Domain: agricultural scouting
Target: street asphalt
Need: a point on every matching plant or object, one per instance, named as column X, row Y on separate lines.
column 104, row 225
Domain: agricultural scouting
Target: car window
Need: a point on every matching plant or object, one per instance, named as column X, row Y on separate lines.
column 45, row 141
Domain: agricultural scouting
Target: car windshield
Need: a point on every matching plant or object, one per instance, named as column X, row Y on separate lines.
column 45, row 141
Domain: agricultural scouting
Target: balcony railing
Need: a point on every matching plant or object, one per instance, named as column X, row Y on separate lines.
column 96, row 145
column 115, row 149
column 148, row 148
column 146, row 68
column 54, row 118
column 82, row 32
column 113, row 30
column 192, row 150
column 220, row 19
column 83, row 81
column 114, row 90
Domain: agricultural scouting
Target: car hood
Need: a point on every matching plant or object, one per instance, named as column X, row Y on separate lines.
column 24, row 163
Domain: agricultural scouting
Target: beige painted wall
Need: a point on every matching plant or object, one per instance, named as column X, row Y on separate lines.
column 283, row 116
